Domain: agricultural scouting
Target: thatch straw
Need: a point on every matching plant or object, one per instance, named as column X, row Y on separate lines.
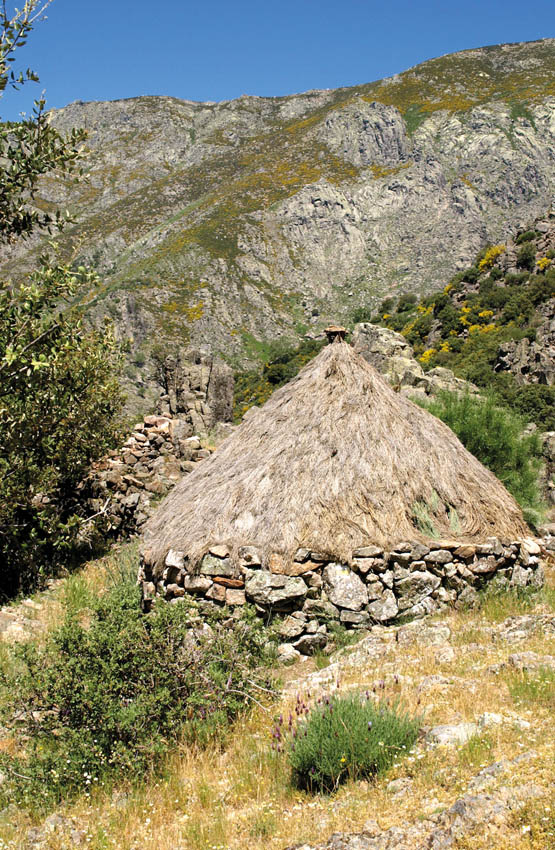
column 334, row 460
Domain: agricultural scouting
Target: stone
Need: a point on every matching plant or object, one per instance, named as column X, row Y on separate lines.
column 173, row 591
column 451, row 735
column 344, row 587
column 399, row 787
column 219, row 551
column 213, row 566
column 466, row 551
column 354, row 618
column 387, row 578
column 302, row 555
column 309, row 644
column 291, row 627
column 445, row 655
column 373, row 565
column 314, row 579
column 196, row 584
column 149, row 590
column 217, row 593
column 530, row 546
column 275, row 591
column 520, row 576
column 422, row 609
column 280, row 565
column 175, row 558
column 321, row 608
column 384, row 609
column 287, row 654
column 368, row 552
column 415, row 588
column 375, row 590
column 249, row 556
column 424, row 634
column 234, row 596
column 467, row 598
column 529, row 661
column 229, row 582
column 484, row 566
column 438, row 556
column 419, row 551
column 488, row 719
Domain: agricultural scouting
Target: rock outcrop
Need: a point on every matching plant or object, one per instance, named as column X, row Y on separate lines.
column 390, row 353
column 228, row 223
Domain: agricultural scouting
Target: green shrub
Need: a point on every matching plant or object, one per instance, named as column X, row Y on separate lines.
column 283, row 363
column 526, row 257
column 362, row 314
column 527, row 236
column 471, row 275
column 407, row 301
column 347, row 737
column 494, row 435
column 107, row 694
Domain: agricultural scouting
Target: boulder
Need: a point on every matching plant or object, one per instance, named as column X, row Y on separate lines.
column 344, row 587
column 275, row 591
column 415, row 587
column 385, row 608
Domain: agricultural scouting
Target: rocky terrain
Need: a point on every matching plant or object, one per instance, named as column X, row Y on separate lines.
column 232, row 223
column 480, row 775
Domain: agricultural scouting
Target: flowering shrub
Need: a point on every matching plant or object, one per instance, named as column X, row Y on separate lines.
column 489, row 258
column 343, row 737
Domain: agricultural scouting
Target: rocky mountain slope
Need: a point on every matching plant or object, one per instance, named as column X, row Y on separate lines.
column 232, row 223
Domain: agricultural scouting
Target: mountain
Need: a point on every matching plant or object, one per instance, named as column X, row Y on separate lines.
column 230, row 224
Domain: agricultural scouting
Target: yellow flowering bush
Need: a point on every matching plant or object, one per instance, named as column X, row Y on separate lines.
column 492, row 253
column 427, row 355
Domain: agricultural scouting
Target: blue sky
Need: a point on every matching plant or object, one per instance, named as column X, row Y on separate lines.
column 216, row 50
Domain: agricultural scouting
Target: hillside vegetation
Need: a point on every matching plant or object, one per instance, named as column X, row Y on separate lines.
column 484, row 676
column 464, row 325
column 246, row 220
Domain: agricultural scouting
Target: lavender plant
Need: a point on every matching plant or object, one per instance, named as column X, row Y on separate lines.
column 342, row 737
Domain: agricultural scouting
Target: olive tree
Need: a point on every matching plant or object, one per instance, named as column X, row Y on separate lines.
column 59, row 396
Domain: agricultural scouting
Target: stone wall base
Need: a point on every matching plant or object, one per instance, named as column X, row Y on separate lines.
column 409, row 581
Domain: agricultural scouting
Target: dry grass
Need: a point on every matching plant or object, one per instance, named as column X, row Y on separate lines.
column 239, row 795
column 334, row 460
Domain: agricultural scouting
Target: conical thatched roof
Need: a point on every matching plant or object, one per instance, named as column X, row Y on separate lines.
column 333, row 461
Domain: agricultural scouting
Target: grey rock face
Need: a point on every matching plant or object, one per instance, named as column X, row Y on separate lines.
column 344, row 588
column 364, row 203
column 390, row 353
column 365, row 133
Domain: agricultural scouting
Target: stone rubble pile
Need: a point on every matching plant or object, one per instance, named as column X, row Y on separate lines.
column 409, row 581
column 126, row 485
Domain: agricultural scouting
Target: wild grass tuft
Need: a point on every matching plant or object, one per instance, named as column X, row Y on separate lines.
column 534, row 688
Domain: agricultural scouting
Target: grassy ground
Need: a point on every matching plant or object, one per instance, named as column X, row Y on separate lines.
column 238, row 794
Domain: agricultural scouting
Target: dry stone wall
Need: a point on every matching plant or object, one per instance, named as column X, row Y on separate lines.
column 409, row 581
column 125, row 486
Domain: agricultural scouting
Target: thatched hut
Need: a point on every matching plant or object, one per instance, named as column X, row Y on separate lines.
column 334, row 467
